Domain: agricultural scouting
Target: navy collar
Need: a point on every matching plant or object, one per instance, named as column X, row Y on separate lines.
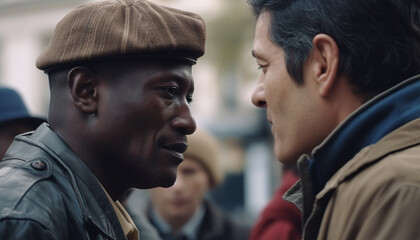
column 367, row 125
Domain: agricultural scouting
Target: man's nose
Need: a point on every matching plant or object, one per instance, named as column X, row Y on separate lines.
column 184, row 120
column 258, row 96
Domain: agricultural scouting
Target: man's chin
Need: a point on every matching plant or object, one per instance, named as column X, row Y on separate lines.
column 163, row 179
column 167, row 178
column 287, row 159
column 167, row 183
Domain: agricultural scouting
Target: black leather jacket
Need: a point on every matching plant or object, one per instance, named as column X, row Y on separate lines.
column 47, row 192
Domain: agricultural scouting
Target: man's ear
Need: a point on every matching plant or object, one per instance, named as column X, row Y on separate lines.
column 82, row 83
column 326, row 55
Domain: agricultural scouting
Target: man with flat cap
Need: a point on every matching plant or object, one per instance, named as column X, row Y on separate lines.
column 121, row 83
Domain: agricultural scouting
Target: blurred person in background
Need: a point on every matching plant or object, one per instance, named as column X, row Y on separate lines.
column 14, row 118
column 120, row 75
column 146, row 229
column 280, row 220
column 183, row 211
column 340, row 82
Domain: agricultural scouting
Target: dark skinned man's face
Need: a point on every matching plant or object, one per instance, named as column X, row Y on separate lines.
column 143, row 118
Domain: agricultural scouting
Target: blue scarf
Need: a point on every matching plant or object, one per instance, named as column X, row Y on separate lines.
column 370, row 123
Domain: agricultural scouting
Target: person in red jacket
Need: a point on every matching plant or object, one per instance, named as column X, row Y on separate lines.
column 280, row 220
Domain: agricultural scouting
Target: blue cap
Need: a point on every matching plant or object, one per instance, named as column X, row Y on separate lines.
column 12, row 108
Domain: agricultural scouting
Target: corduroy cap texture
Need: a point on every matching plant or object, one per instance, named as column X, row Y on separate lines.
column 204, row 148
column 118, row 28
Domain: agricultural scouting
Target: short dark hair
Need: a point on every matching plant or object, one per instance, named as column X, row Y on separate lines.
column 378, row 40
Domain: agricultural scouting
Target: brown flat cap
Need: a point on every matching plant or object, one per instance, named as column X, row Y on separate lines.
column 118, row 28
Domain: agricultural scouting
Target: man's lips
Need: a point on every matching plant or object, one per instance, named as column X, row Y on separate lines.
column 179, row 147
column 271, row 123
column 179, row 202
column 176, row 150
column 269, row 120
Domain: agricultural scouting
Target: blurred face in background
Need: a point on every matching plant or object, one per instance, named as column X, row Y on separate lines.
column 179, row 202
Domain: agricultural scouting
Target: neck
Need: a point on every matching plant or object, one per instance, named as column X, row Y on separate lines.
column 177, row 222
column 111, row 181
column 107, row 175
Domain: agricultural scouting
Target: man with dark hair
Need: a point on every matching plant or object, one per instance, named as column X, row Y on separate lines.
column 121, row 83
column 340, row 82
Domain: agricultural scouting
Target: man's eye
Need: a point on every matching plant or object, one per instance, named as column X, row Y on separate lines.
column 172, row 91
column 262, row 67
column 189, row 98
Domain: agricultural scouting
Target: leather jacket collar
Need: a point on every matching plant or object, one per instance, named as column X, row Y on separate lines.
column 93, row 202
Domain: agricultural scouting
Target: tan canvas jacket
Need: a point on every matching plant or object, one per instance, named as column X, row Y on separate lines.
column 376, row 195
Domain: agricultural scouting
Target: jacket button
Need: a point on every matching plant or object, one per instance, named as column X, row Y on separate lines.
column 39, row 165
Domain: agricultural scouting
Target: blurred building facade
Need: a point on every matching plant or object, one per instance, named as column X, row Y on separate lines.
column 224, row 79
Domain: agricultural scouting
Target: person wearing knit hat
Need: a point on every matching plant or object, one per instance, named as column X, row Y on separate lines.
column 14, row 118
column 204, row 148
column 182, row 211
column 120, row 77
